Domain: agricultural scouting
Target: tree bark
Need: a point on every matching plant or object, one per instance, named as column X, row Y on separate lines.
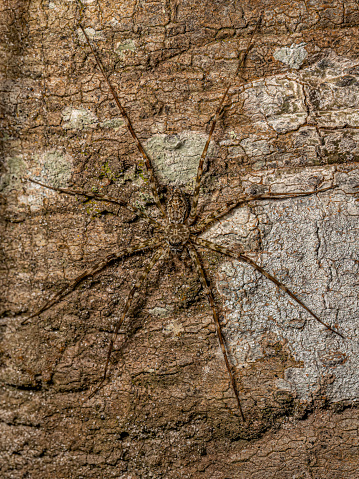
column 290, row 124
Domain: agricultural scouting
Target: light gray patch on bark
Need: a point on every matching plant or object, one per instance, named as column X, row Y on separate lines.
column 276, row 103
column 239, row 227
column 175, row 157
column 174, row 328
column 122, row 47
column 161, row 312
column 15, row 170
column 311, row 245
column 333, row 92
column 292, row 56
column 309, row 105
column 112, row 123
column 53, row 168
column 91, row 33
column 78, row 119
column 254, row 147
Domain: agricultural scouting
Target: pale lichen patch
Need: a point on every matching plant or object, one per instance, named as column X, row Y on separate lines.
column 238, row 227
column 161, row 312
column 53, row 168
column 292, row 56
column 277, row 103
column 91, row 33
column 15, row 170
column 114, row 123
column 175, row 328
column 175, row 157
column 78, row 119
column 122, row 47
column 310, row 244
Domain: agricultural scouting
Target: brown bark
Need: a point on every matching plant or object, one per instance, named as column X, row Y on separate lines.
column 290, row 123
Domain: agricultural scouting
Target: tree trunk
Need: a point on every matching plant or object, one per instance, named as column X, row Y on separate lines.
column 289, row 125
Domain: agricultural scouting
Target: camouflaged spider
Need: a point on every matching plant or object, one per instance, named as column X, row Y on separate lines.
column 179, row 230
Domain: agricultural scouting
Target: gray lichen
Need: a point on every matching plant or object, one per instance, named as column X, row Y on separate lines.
column 78, row 119
column 175, row 157
column 310, row 243
column 15, row 169
column 91, row 33
column 128, row 45
column 292, row 56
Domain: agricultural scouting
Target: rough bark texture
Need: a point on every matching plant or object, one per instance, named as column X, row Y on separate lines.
column 290, row 123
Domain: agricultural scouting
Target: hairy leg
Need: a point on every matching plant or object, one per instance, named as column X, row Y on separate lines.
column 141, row 278
column 106, row 199
column 197, row 262
column 245, row 259
column 193, row 213
column 149, row 168
column 204, row 224
column 150, row 244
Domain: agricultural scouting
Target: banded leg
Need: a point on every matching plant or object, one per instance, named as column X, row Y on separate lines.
column 193, row 213
column 97, row 197
column 204, row 224
column 96, row 269
column 245, row 259
column 141, row 278
column 129, row 126
column 197, row 262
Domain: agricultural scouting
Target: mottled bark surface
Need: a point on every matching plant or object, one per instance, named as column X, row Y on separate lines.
column 290, row 124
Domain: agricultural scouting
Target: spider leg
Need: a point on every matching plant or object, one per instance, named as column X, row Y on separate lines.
column 204, row 224
column 141, row 278
column 197, row 262
column 129, row 126
column 245, row 259
column 89, row 272
column 107, row 199
column 193, row 213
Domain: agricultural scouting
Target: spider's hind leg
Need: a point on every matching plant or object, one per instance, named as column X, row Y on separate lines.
column 90, row 272
column 197, row 262
column 140, row 280
column 233, row 254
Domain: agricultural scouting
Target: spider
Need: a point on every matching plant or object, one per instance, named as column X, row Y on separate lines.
column 179, row 230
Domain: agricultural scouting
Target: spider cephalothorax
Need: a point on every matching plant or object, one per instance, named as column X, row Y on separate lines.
column 178, row 229
column 177, row 207
column 177, row 232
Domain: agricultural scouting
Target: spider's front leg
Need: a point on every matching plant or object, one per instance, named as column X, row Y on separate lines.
column 149, row 168
column 241, row 257
column 102, row 198
column 200, row 271
column 193, row 213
